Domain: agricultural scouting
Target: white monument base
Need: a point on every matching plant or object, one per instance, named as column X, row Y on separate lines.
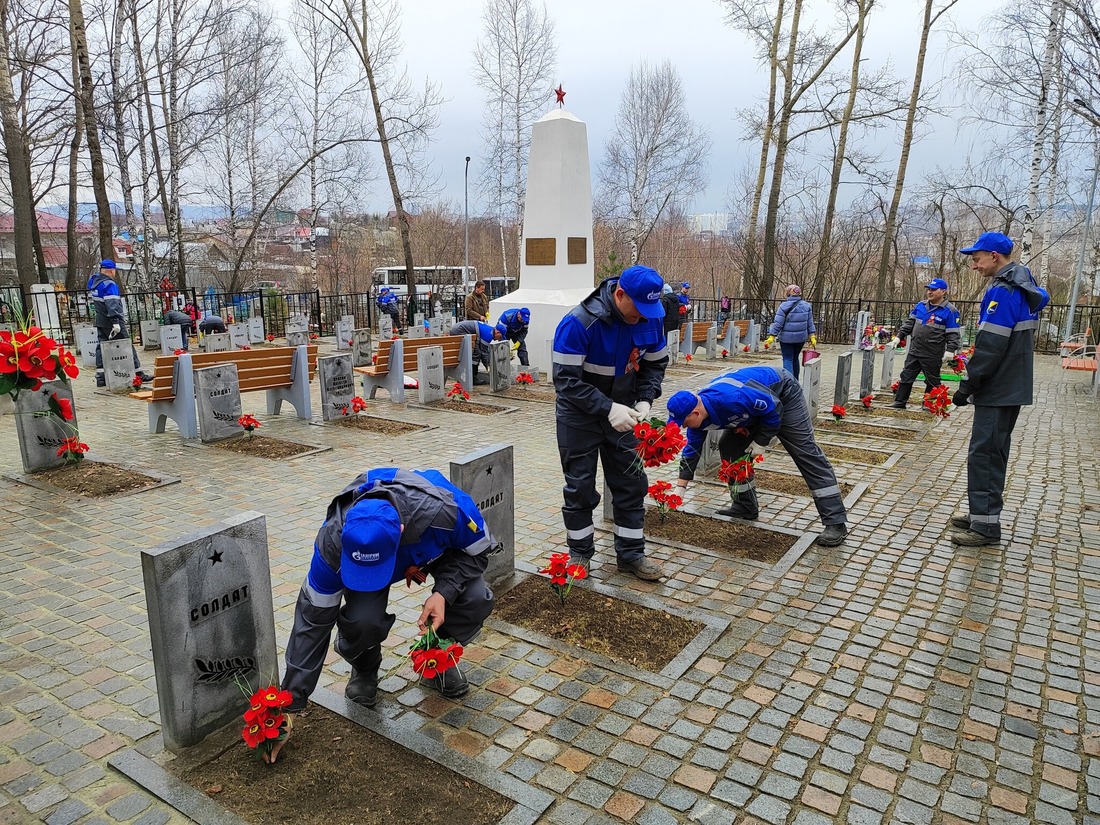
column 548, row 307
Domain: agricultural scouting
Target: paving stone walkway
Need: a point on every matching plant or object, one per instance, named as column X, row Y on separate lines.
column 895, row 679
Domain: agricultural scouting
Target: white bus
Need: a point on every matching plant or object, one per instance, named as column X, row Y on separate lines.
column 445, row 282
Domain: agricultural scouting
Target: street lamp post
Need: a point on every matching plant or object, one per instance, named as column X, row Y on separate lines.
column 1095, row 121
column 466, row 224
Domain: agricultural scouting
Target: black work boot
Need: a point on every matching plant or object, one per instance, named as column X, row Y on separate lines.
column 363, row 686
column 451, row 683
column 901, row 396
column 745, row 505
column 832, row 535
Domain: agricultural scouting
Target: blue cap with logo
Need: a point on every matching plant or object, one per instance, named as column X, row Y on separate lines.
column 106, row 263
column 643, row 285
column 685, row 285
column 525, row 315
column 383, row 290
column 990, row 242
column 680, row 406
column 936, row 283
column 368, row 543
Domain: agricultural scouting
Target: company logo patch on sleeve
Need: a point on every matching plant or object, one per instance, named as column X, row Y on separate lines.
column 991, row 308
column 760, row 404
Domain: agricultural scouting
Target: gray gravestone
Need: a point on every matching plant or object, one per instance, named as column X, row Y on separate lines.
column 673, row 346
column 256, row 329
column 89, row 340
column 811, row 385
column 712, row 342
column 361, row 348
column 843, row 378
column 435, row 326
column 337, row 385
column 217, row 342
column 218, row 394
column 447, row 321
column 429, row 374
column 297, row 323
column 500, row 366
column 238, row 334
column 887, row 375
column 150, row 334
column 40, row 433
column 867, row 373
column 417, row 331
column 418, row 319
column 118, row 364
column 385, row 326
column 488, row 477
column 863, row 318
column 171, row 339
column 211, row 623
column 345, row 329
column 753, row 337
column 297, row 339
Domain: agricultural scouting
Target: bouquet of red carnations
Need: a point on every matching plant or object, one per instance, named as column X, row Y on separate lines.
column 937, row 401
column 562, row 574
column 658, row 442
column 667, row 501
column 432, row 656
column 265, row 724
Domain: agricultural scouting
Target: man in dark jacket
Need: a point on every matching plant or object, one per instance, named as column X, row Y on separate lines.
column 609, row 361
column 174, row 316
column 388, row 525
column 999, row 380
column 110, row 317
column 933, row 332
column 672, row 307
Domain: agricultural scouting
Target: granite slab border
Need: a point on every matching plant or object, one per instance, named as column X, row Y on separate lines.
column 161, row 479
column 850, row 500
column 336, row 425
column 501, row 410
column 713, row 628
column 314, row 451
column 530, row 803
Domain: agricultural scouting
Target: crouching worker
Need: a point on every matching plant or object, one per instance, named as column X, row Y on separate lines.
column 752, row 406
column 388, row 526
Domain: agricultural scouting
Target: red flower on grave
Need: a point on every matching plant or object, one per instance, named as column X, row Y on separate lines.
column 67, row 361
column 745, row 348
column 867, row 400
column 61, row 407
column 725, row 353
column 895, row 385
column 270, row 336
column 313, row 336
column 525, row 378
column 179, row 352
column 273, row 697
column 562, row 574
column 687, row 358
column 358, row 404
column 254, row 735
column 137, row 380
column 72, row 449
column 838, row 412
column 245, row 346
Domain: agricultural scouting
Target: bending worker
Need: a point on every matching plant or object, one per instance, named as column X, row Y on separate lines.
column 752, row 406
column 513, row 325
column 485, row 336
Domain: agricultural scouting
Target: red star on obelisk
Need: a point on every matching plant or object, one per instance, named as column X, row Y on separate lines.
column 560, row 93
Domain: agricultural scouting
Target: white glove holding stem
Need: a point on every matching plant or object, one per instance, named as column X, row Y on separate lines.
column 115, row 330
column 894, row 341
column 756, row 449
column 643, row 408
column 948, row 357
column 622, row 417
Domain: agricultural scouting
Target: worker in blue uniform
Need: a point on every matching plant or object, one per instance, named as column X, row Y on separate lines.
column 752, row 406
column 999, row 380
column 389, row 525
column 485, row 336
column 933, row 332
column 514, row 324
column 609, row 358
column 110, row 315
column 390, row 305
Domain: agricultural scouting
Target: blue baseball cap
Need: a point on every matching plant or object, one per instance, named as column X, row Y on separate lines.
column 643, row 285
column 680, row 406
column 383, row 289
column 990, row 242
column 525, row 315
column 685, row 285
column 502, row 329
column 107, row 263
column 936, row 283
column 368, row 543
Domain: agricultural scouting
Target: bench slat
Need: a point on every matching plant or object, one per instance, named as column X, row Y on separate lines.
column 258, row 369
column 1085, row 364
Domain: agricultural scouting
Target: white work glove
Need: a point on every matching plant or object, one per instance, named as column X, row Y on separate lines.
column 756, row 449
column 683, row 490
column 115, row 330
column 622, row 417
column 948, row 357
column 643, row 408
column 894, row 341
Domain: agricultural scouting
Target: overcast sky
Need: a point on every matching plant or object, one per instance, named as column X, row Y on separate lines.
column 598, row 42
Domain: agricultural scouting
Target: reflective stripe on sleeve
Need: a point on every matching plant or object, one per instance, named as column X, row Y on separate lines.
column 656, row 356
column 567, row 358
column 996, row 329
column 599, row 369
column 319, row 599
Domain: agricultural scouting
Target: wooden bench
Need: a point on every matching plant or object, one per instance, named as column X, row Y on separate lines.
column 284, row 373
column 458, row 363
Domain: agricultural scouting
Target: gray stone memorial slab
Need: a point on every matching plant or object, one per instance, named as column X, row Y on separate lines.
column 710, row 460
column 843, row 378
column 712, row 342
column 118, row 364
column 345, row 330
column 361, row 348
column 674, row 346
column 150, row 334
column 217, row 342
column 418, row 319
column 435, row 326
column 256, row 329
column 40, row 434
column 448, row 320
column 429, row 374
column 863, row 318
column 811, row 385
column 211, row 621
column 416, row 331
column 337, row 385
column 867, row 373
column 500, row 366
column 752, row 338
column 238, row 334
column 171, row 338
column 297, row 339
column 297, row 323
column 88, row 341
column 488, row 477
column 218, row 395
column 886, row 377
column 385, row 326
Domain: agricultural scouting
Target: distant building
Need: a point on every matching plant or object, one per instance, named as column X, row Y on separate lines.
column 711, row 223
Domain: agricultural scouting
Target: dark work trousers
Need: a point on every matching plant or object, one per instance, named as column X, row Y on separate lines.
column 987, row 465
column 105, row 335
column 796, row 433
column 929, row 364
column 579, row 445
column 791, row 362
column 521, row 351
column 733, row 446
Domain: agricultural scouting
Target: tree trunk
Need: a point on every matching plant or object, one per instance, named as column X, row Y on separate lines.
column 91, row 129
column 1052, row 180
column 19, row 172
column 139, row 275
column 72, row 280
column 146, row 244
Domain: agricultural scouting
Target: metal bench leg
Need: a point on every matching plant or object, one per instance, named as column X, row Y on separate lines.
column 297, row 394
column 463, row 373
